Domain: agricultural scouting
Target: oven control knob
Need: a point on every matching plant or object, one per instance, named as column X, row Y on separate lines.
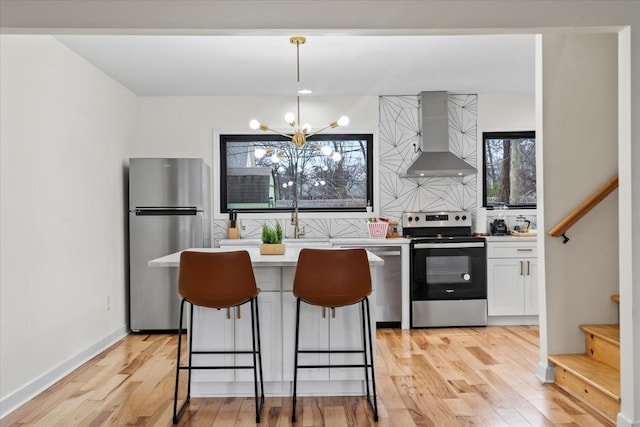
column 464, row 217
column 466, row 277
column 417, row 218
column 457, row 217
column 410, row 218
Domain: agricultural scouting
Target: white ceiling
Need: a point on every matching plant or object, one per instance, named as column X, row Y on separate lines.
column 330, row 65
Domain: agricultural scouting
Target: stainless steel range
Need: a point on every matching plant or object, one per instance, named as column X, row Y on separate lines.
column 448, row 270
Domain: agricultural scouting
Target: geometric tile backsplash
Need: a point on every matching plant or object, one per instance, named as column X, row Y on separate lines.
column 398, row 138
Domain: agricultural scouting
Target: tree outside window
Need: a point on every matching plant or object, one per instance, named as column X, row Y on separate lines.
column 509, row 169
column 263, row 173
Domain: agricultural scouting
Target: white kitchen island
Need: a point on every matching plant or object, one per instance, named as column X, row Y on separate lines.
column 274, row 276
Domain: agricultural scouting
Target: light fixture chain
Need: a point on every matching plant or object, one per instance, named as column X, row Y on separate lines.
column 299, row 123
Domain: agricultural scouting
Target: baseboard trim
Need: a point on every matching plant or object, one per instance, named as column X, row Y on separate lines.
column 623, row 421
column 27, row 392
column 546, row 373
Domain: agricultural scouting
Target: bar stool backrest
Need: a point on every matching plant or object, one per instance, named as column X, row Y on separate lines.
column 332, row 277
column 216, row 279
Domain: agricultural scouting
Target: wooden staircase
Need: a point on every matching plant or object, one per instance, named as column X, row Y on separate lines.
column 593, row 377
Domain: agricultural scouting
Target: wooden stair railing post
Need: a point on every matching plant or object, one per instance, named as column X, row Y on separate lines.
column 574, row 216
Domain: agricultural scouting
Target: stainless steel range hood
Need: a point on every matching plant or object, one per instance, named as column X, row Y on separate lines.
column 435, row 159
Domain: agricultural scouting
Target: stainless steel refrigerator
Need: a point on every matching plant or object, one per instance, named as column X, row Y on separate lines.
column 169, row 210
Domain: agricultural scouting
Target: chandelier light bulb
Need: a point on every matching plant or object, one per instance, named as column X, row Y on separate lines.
column 259, row 153
column 290, row 183
column 254, row 124
column 275, row 158
column 326, row 150
column 315, row 184
column 306, row 128
column 336, row 156
column 290, row 118
column 322, row 182
column 343, row 121
column 284, row 185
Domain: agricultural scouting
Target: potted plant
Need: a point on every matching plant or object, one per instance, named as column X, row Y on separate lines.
column 272, row 240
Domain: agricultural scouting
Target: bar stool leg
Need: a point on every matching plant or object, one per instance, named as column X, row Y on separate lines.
column 177, row 414
column 364, row 350
column 373, row 372
column 259, row 352
column 255, row 322
column 295, row 362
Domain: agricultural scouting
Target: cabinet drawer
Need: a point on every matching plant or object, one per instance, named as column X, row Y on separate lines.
column 268, row 278
column 512, row 250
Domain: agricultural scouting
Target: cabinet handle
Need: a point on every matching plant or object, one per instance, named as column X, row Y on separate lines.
column 524, row 250
column 324, row 312
column 522, row 268
column 528, row 268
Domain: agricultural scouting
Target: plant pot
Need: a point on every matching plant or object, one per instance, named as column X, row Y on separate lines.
column 272, row 249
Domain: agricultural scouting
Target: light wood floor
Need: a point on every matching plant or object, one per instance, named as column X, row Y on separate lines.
column 429, row 377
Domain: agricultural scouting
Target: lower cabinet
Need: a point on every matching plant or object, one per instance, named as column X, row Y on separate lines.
column 270, row 308
column 512, row 279
column 215, row 332
column 314, row 335
column 341, row 332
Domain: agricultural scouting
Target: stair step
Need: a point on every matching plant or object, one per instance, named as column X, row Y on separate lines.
column 592, row 381
column 609, row 333
column 603, row 343
column 615, row 298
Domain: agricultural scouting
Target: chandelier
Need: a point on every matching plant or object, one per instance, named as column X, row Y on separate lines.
column 300, row 131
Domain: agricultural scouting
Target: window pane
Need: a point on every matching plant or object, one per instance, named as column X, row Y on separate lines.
column 510, row 169
column 329, row 172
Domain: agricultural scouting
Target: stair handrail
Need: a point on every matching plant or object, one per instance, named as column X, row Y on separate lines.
column 575, row 215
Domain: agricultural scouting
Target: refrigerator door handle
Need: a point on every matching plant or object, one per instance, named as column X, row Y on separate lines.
column 165, row 211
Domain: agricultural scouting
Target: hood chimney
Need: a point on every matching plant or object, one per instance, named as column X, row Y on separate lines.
column 435, row 159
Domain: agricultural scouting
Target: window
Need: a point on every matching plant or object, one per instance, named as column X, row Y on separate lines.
column 262, row 173
column 509, row 169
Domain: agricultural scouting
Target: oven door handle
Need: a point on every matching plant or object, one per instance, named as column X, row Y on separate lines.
column 448, row 245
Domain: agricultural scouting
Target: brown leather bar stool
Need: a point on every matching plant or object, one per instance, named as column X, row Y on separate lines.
column 218, row 280
column 335, row 278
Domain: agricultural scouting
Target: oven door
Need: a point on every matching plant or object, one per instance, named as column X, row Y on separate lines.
column 448, row 271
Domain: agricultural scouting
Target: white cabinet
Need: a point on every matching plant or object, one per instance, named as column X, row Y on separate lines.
column 342, row 332
column 314, row 335
column 215, row 332
column 512, row 279
column 270, row 310
column 345, row 334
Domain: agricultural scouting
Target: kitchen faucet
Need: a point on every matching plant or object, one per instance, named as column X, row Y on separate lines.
column 296, row 224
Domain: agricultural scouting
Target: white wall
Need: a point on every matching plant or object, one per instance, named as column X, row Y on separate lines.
column 580, row 154
column 65, row 128
column 184, row 126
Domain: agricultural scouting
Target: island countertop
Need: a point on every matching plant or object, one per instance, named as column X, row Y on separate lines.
column 289, row 259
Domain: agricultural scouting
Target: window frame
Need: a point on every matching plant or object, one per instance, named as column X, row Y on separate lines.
column 529, row 134
column 224, row 138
